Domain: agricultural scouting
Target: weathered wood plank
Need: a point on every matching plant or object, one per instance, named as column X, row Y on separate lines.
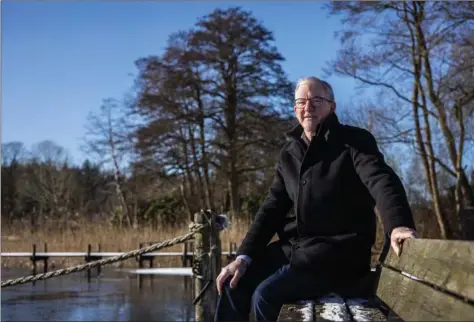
column 297, row 312
column 413, row 300
column 445, row 263
column 362, row 309
column 331, row 308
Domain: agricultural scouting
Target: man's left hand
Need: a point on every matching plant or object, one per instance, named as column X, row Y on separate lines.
column 398, row 235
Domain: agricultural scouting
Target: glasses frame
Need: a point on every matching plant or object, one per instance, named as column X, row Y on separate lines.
column 310, row 103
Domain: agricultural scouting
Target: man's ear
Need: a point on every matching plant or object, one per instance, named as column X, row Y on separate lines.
column 333, row 107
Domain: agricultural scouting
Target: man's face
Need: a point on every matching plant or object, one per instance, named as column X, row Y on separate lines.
column 312, row 105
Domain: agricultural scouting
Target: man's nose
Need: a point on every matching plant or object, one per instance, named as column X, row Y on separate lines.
column 308, row 106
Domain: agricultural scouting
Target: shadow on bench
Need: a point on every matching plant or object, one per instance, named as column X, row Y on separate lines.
column 433, row 280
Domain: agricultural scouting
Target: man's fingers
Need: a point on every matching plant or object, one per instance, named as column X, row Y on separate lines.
column 218, row 284
column 235, row 279
column 396, row 247
column 405, row 234
column 221, row 279
column 398, row 237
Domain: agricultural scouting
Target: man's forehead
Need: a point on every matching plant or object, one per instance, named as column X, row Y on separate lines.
column 309, row 88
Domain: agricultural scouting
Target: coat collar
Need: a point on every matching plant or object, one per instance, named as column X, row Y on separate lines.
column 325, row 130
column 328, row 125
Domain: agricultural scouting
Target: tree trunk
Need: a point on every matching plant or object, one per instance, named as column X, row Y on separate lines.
column 196, row 168
column 233, row 185
column 441, row 108
column 459, row 171
column 204, row 157
column 205, row 167
column 427, row 156
column 231, row 116
column 188, row 179
column 185, row 199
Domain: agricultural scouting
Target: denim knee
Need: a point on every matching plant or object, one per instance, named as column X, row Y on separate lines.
column 261, row 295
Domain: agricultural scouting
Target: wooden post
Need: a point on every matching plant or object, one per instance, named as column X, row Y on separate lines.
column 151, row 258
column 45, row 259
column 140, row 257
column 202, row 310
column 185, row 254
column 216, row 255
column 140, row 265
column 99, row 267
column 88, row 259
column 191, row 250
column 33, row 258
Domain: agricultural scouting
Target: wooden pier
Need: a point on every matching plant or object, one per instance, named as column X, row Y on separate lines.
column 44, row 256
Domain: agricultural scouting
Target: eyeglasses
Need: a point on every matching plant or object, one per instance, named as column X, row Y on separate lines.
column 315, row 101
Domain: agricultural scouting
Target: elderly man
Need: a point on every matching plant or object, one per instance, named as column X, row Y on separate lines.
column 332, row 175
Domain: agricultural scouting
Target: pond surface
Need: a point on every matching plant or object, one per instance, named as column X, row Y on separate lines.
column 114, row 296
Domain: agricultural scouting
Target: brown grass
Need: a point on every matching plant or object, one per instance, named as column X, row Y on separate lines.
column 20, row 238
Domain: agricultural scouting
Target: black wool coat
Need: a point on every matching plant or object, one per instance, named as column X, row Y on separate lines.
column 332, row 185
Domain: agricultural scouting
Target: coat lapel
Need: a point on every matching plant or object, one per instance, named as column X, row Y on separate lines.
column 298, row 147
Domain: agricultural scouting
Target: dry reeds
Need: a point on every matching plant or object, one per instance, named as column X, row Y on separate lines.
column 21, row 237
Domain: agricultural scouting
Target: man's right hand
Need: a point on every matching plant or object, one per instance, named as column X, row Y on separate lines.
column 236, row 269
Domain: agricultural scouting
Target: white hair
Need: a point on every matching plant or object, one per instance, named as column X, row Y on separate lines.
column 314, row 80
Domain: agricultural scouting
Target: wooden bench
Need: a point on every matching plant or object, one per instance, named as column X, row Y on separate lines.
column 432, row 280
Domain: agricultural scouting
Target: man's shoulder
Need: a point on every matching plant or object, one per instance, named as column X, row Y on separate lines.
column 354, row 136
column 355, row 131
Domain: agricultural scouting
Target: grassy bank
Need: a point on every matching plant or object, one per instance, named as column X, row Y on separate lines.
column 20, row 238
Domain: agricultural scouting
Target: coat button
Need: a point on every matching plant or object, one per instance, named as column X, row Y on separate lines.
column 303, row 182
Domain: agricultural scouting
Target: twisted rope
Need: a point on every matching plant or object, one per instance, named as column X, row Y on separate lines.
column 171, row 242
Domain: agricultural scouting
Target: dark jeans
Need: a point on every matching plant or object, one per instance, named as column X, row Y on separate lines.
column 269, row 283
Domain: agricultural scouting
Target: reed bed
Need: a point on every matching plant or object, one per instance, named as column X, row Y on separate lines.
column 20, row 238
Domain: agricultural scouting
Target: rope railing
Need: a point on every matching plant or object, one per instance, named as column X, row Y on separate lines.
column 194, row 228
column 205, row 266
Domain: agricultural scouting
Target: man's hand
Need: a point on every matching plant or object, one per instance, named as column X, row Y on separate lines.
column 236, row 269
column 398, row 235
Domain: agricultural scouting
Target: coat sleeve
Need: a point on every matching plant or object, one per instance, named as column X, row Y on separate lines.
column 382, row 182
column 269, row 217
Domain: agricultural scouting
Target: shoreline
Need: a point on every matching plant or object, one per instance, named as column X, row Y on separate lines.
column 20, row 238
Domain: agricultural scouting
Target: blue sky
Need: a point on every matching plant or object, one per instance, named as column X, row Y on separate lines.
column 61, row 59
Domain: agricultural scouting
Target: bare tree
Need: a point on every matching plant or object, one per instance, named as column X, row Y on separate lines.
column 48, row 182
column 215, row 98
column 108, row 140
column 375, row 49
column 245, row 79
column 13, row 154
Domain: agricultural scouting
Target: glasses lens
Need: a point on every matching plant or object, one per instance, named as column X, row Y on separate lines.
column 301, row 102
column 315, row 102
